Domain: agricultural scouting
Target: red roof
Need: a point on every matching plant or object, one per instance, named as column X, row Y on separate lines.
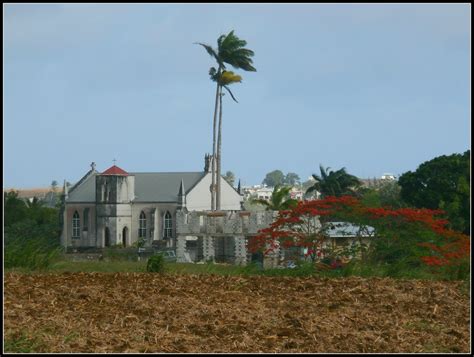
column 115, row 170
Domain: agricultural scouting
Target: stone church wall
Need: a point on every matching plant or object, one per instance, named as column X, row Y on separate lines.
column 154, row 220
column 87, row 219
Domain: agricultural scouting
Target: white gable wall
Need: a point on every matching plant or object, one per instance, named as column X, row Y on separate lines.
column 199, row 198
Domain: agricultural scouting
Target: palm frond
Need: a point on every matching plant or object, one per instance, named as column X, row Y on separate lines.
column 260, row 202
column 324, row 171
column 213, row 74
column 212, row 53
column 227, row 88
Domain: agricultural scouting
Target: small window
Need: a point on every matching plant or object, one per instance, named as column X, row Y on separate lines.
column 76, row 226
column 85, row 216
column 168, row 225
column 142, row 225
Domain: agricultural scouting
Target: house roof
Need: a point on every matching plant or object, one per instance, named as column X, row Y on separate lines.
column 115, row 170
column 149, row 186
column 346, row 229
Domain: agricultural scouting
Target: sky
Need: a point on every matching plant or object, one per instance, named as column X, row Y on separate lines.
column 374, row 88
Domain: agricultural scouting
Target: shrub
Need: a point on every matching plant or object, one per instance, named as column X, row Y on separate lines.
column 31, row 246
column 156, row 264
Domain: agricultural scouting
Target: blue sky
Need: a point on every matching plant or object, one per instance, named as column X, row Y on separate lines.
column 373, row 88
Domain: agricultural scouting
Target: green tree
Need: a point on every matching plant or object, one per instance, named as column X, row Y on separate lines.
column 274, row 178
column 230, row 177
column 15, row 208
column 230, row 50
column 334, row 183
column 280, row 199
column 292, row 179
column 386, row 194
column 31, row 232
column 441, row 183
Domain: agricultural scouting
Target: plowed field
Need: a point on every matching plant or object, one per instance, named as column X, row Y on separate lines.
column 141, row 312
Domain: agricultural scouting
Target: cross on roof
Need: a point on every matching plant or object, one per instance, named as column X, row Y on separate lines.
column 114, row 161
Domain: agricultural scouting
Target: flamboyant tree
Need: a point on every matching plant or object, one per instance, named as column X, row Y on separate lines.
column 400, row 235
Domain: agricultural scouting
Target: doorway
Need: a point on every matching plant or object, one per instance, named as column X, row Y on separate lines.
column 124, row 236
column 107, row 237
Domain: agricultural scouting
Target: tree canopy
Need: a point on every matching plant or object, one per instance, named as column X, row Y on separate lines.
column 277, row 177
column 230, row 177
column 334, row 183
column 274, row 178
column 292, row 179
column 441, row 183
column 31, row 237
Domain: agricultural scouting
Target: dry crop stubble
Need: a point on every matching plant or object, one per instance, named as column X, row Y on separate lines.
column 143, row 312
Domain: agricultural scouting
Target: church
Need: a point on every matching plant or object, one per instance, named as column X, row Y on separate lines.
column 117, row 207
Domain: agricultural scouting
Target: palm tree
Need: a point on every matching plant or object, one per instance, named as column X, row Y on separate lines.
column 230, row 50
column 334, row 183
column 280, row 199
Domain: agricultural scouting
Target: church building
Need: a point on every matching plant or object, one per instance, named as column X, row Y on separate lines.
column 119, row 207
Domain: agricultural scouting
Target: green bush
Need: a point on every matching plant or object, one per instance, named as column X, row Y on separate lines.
column 32, row 246
column 156, row 264
column 460, row 271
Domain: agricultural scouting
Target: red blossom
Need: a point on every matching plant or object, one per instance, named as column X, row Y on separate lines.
column 288, row 227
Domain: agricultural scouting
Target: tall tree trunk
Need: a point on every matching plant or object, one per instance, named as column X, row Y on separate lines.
column 219, row 143
column 213, row 159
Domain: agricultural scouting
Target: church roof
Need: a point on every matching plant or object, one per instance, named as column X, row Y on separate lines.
column 149, row 186
column 163, row 186
column 115, row 170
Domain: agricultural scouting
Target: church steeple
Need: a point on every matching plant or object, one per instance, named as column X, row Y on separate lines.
column 182, row 194
column 65, row 190
column 208, row 162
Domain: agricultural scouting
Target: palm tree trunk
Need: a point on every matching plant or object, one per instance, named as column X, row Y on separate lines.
column 219, row 142
column 213, row 159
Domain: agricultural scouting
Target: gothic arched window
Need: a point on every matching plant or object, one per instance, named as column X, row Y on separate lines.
column 168, row 225
column 142, row 225
column 76, row 225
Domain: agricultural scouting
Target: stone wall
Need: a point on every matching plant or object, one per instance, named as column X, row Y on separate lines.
column 222, row 234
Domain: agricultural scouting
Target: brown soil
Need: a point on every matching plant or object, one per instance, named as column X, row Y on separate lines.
column 145, row 312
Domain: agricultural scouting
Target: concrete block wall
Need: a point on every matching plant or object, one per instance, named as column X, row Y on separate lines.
column 240, row 251
column 208, row 248
column 180, row 248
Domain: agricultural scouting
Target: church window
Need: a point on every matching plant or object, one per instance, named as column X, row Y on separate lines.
column 105, row 192
column 85, row 216
column 142, row 225
column 168, row 225
column 76, row 225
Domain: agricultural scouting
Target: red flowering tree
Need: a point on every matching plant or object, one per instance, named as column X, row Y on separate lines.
column 305, row 226
column 405, row 235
